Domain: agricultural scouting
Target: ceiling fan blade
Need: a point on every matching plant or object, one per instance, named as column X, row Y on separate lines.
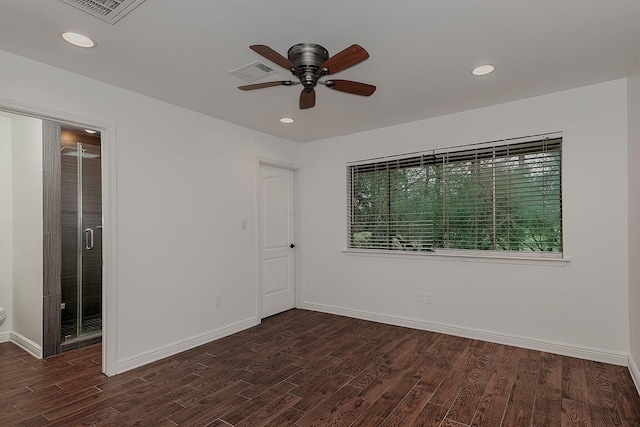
column 345, row 59
column 266, row 84
column 272, row 56
column 307, row 99
column 348, row 86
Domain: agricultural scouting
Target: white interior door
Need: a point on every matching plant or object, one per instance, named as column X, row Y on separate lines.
column 277, row 250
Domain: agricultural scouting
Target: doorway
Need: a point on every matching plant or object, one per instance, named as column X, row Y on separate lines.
column 72, row 233
column 36, row 326
column 277, row 240
column 81, row 236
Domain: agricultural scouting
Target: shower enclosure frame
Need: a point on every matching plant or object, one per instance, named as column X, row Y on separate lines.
column 81, row 321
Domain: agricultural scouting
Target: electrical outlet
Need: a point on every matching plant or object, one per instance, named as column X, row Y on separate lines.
column 218, row 300
column 429, row 298
column 420, row 296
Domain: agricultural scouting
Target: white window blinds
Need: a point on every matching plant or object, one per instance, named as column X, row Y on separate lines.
column 495, row 197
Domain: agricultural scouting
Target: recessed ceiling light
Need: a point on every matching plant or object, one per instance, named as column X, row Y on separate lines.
column 287, row 120
column 90, row 131
column 78, row 40
column 483, row 70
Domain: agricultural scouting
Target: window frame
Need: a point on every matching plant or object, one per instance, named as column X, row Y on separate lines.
column 555, row 140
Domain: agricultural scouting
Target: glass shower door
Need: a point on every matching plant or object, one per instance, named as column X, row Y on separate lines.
column 90, row 294
column 69, row 228
column 81, row 240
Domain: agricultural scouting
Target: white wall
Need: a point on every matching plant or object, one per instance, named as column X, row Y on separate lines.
column 185, row 182
column 26, row 150
column 634, row 219
column 578, row 308
column 6, row 226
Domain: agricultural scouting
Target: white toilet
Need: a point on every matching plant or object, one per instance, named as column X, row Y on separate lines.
column 3, row 315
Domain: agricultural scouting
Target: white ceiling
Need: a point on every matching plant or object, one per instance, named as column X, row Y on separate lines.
column 421, row 53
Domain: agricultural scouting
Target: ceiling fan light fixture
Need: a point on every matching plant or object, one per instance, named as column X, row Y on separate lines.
column 78, row 40
column 287, row 120
column 483, row 70
column 91, row 131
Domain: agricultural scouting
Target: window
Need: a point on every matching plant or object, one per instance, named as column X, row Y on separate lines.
column 486, row 197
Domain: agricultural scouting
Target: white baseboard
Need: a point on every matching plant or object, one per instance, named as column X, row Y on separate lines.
column 5, row 336
column 581, row 352
column 635, row 372
column 26, row 344
column 180, row 346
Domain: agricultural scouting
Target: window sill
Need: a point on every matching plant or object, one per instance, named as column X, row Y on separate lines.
column 463, row 257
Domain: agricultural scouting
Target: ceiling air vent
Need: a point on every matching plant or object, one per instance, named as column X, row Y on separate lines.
column 252, row 72
column 110, row 11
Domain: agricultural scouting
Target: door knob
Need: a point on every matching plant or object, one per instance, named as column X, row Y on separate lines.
column 292, row 246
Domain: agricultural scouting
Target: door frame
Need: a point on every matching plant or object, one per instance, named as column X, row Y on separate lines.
column 109, row 215
column 261, row 161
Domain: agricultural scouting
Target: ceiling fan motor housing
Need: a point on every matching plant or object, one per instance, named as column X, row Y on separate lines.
column 308, row 57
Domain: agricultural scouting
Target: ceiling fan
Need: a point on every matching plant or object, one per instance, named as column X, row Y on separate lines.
column 309, row 62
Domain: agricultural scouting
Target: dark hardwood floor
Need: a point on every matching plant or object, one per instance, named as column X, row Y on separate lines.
column 303, row 368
